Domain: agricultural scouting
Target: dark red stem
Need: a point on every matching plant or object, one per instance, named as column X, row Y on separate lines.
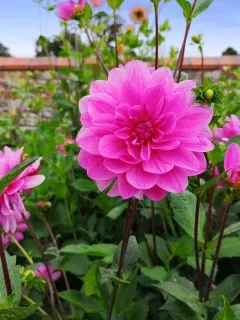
column 156, row 35
column 5, row 268
column 197, row 214
column 154, row 234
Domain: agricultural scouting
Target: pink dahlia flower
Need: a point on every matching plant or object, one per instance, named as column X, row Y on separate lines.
column 232, row 164
column 97, row 3
column 11, row 205
column 41, row 272
column 68, row 9
column 141, row 132
column 230, row 129
column 20, row 229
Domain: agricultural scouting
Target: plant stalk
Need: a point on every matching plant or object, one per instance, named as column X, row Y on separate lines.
column 196, row 249
column 179, row 64
column 154, row 234
column 130, row 217
column 115, row 37
column 156, row 6
column 20, row 247
column 5, row 268
column 216, row 255
column 28, row 299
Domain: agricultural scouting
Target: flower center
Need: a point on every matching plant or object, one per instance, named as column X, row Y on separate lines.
column 143, row 132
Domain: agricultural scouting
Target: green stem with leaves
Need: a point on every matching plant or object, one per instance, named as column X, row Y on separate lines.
column 24, row 252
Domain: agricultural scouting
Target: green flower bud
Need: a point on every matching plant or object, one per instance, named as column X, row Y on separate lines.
column 209, row 94
column 196, row 38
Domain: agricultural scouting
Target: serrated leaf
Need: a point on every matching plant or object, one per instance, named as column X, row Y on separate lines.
column 8, row 178
column 97, row 250
column 116, row 212
column 115, row 4
column 14, row 273
column 84, row 185
column 131, row 256
column 226, row 313
column 184, row 208
column 180, row 310
column 156, row 273
column 17, row 313
column 230, row 247
column 186, row 7
column 88, row 304
column 230, row 288
column 181, row 293
column 201, row 6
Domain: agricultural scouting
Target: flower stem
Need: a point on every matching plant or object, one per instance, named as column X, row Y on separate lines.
column 24, row 252
column 130, row 217
column 197, row 214
column 154, row 234
column 28, row 299
column 115, row 37
column 5, row 268
column 99, row 58
column 51, row 284
column 206, row 239
column 156, row 35
column 182, row 51
column 216, row 255
column 202, row 64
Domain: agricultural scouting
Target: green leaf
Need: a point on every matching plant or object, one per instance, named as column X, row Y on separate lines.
column 131, row 256
column 75, row 263
column 116, row 212
column 234, row 227
column 226, row 313
column 229, row 248
column 115, row 4
column 139, row 310
column 88, row 304
column 184, row 208
column 180, row 310
column 97, row 250
column 87, row 12
column 14, row 273
column 90, row 281
column 236, row 310
column 181, row 293
column 84, row 185
column 186, row 7
column 191, row 261
column 17, row 313
column 8, row 178
column 235, row 139
column 230, row 288
column 156, row 273
column 125, row 293
column 162, row 249
column 201, row 6
column 211, row 183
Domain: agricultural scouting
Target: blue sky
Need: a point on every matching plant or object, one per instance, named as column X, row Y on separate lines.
column 22, row 21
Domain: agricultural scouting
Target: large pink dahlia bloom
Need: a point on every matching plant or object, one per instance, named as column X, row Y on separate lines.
column 11, row 205
column 142, row 133
column 230, row 129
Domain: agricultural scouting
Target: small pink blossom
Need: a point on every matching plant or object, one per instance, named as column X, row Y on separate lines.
column 141, row 132
column 230, row 129
column 11, row 205
column 69, row 140
column 232, row 164
column 41, row 272
column 19, row 232
column 68, row 9
column 44, row 204
column 217, row 174
column 97, row 3
column 61, row 149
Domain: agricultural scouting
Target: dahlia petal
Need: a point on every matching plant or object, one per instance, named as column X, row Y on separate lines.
column 14, row 187
column 185, row 87
column 130, row 93
column 103, row 184
column 145, row 151
column 123, row 133
column 97, row 171
column 114, row 192
column 126, row 190
column 88, row 141
column 138, row 72
column 197, row 118
column 138, row 112
column 232, row 157
column 32, row 181
column 156, row 165
column 173, row 181
column 165, row 144
column 116, row 166
column 155, row 193
column 180, row 157
column 111, row 147
column 101, row 103
column 154, row 96
column 163, row 76
column 167, row 122
column 203, row 145
column 141, row 179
